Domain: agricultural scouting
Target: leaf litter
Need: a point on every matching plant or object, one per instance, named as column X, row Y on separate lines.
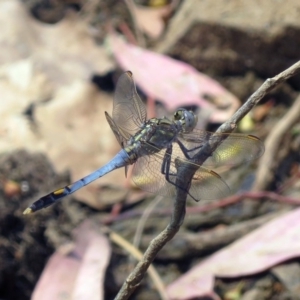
column 54, row 77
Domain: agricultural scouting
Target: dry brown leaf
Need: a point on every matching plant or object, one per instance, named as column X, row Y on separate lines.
column 150, row 19
column 50, row 66
column 64, row 51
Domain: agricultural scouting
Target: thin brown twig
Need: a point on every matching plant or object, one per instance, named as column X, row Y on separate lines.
column 290, row 182
column 187, row 245
column 185, row 175
column 143, row 219
column 273, row 143
column 213, row 205
column 128, row 33
column 121, row 242
column 238, row 197
column 139, row 35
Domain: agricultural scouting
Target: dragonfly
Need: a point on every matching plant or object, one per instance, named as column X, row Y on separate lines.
column 157, row 146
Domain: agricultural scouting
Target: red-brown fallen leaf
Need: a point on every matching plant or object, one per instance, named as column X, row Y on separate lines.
column 275, row 242
column 78, row 274
column 57, row 279
column 173, row 82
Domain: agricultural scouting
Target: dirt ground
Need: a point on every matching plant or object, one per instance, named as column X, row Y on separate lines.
column 240, row 53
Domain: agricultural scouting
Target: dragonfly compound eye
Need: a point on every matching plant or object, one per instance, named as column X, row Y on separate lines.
column 187, row 119
column 190, row 121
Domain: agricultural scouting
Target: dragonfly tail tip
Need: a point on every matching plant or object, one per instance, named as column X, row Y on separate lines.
column 27, row 211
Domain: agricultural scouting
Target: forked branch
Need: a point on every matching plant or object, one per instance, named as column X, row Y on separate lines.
column 136, row 276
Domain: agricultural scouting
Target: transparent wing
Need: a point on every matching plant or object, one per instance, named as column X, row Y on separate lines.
column 234, row 150
column 208, row 185
column 147, row 174
column 121, row 136
column 129, row 112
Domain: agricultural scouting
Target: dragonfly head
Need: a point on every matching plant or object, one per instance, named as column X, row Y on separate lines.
column 187, row 119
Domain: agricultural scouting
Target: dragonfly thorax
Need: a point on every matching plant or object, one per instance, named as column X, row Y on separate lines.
column 186, row 119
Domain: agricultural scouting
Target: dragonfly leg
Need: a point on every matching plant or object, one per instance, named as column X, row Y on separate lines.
column 165, row 167
column 186, row 151
column 165, row 170
column 166, row 161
